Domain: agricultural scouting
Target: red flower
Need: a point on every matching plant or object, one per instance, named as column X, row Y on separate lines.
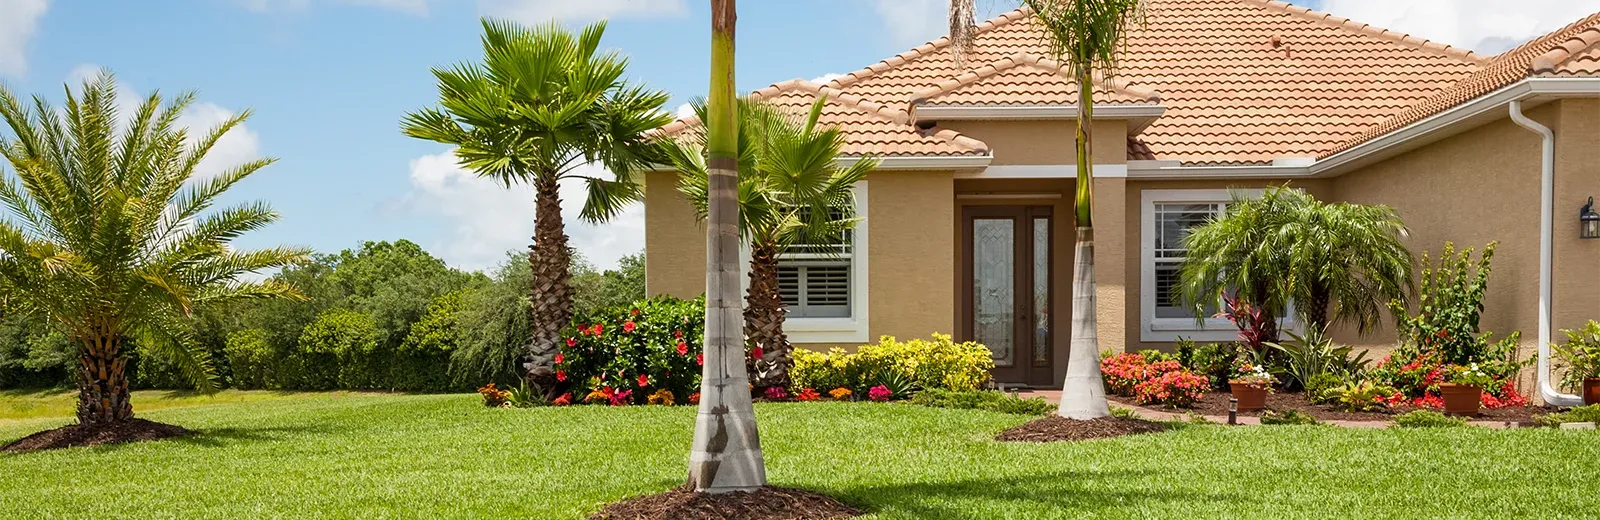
column 644, row 380
column 694, row 398
column 634, row 312
column 583, row 329
column 559, row 357
column 561, row 375
column 564, row 400
column 677, row 334
column 756, row 353
column 597, row 330
column 572, row 342
column 627, row 326
column 683, row 348
column 700, row 359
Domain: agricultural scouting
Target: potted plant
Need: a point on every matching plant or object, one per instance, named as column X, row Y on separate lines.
column 1250, row 384
column 1581, row 358
column 1463, row 389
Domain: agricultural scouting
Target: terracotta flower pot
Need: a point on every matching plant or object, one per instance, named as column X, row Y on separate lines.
column 1461, row 399
column 1251, row 398
column 1591, row 390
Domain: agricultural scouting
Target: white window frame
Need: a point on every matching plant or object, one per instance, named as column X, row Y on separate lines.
column 840, row 330
column 1153, row 329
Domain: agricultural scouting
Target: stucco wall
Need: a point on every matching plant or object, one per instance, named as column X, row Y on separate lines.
column 908, row 255
column 674, row 240
column 1045, row 142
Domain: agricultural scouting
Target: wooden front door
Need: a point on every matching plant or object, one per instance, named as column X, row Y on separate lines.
column 1007, row 301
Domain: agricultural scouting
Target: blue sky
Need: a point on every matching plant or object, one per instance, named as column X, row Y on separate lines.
column 328, row 81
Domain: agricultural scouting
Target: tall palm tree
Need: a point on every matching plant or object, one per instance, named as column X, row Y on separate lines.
column 542, row 105
column 726, row 455
column 1344, row 259
column 791, row 191
column 107, row 235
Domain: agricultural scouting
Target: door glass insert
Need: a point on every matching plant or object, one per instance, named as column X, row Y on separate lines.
column 994, row 287
column 1041, row 292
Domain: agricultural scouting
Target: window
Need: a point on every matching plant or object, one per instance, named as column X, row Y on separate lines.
column 1167, row 217
column 824, row 284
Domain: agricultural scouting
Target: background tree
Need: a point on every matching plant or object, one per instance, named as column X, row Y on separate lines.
column 594, row 289
column 726, row 454
column 107, row 234
column 791, row 191
column 542, row 104
column 1344, row 260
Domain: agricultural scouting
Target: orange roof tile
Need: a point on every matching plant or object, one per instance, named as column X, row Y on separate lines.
column 1568, row 51
column 868, row 128
column 1025, row 79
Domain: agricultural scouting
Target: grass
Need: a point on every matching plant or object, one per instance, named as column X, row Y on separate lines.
column 445, row 456
column 54, row 404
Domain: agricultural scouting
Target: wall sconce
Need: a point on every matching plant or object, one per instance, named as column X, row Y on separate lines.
column 1588, row 221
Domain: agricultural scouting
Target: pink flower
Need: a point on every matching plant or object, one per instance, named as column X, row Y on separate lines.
column 677, row 334
column 583, row 329
column 627, row 326
column 559, row 357
column 700, row 359
column 776, row 393
column 879, row 393
column 644, row 380
column 597, row 330
column 683, row 348
column 561, row 375
column 572, row 342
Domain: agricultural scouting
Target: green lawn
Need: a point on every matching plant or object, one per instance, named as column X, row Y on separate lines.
column 376, row 456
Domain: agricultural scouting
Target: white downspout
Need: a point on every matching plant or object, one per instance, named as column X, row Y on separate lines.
column 1547, row 192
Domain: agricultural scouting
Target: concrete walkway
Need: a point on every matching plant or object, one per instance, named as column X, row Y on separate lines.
column 1054, row 396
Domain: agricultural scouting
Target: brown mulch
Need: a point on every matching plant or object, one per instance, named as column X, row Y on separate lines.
column 767, row 503
column 1216, row 403
column 1058, row 428
column 132, row 430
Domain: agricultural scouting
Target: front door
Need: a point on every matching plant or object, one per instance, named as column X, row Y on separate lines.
column 1007, row 296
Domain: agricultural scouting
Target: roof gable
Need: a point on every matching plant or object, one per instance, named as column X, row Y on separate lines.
column 1025, row 79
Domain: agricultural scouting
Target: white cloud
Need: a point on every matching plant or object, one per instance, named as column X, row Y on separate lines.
column 825, row 78
column 537, row 11
column 685, row 111
column 234, row 148
column 910, row 23
column 1485, row 26
column 19, row 20
column 487, row 219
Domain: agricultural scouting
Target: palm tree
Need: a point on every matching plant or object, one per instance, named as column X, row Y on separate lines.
column 107, row 235
column 1344, row 259
column 542, row 105
column 791, row 191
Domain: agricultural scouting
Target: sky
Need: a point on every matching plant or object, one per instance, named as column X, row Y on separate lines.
column 328, row 81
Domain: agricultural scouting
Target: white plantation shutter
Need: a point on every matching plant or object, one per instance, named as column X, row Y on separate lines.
column 814, row 278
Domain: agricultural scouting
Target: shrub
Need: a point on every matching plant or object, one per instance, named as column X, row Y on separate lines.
column 493, row 397
column 1177, row 388
column 1213, row 360
column 1290, row 417
column 1122, row 372
column 1123, row 413
column 927, row 364
column 1307, row 356
column 1359, row 397
column 340, row 347
column 983, row 400
column 1580, row 356
column 1588, row 414
column 254, row 360
column 1427, row 419
column 1317, row 388
column 623, row 354
column 1450, row 302
column 879, row 393
column 1151, row 355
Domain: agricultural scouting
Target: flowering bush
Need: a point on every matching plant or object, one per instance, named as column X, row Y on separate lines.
column 839, row 394
column 1122, row 372
column 1415, row 376
column 564, row 400
column 662, row 397
column 1176, row 388
column 939, row 363
column 809, row 394
column 1252, row 374
column 775, row 393
column 493, row 397
column 1470, row 375
column 879, row 393
column 630, row 353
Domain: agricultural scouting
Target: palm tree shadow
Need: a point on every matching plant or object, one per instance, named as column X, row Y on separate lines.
column 218, row 437
column 1062, row 492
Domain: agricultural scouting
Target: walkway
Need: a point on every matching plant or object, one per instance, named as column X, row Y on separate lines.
column 1054, row 396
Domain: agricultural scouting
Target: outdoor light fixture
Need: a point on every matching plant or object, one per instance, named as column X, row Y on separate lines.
column 1588, row 221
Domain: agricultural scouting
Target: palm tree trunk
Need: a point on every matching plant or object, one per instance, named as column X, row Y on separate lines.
column 1083, row 396
column 103, row 381
column 550, row 261
column 763, row 319
column 726, row 455
column 1316, row 311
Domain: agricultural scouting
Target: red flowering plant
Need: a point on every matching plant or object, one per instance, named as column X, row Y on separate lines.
column 1122, row 372
column 634, row 351
column 1178, row 388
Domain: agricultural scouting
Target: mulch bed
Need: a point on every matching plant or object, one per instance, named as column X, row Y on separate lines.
column 767, row 503
column 1058, row 428
column 132, row 430
column 1216, row 403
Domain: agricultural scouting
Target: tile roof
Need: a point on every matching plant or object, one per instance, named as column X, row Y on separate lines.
column 1025, row 79
column 867, row 127
column 1569, row 51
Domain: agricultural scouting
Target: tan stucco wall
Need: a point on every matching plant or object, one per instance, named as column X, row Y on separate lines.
column 909, row 263
column 1470, row 189
column 674, row 240
column 1576, row 291
column 1132, row 211
column 1045, row 142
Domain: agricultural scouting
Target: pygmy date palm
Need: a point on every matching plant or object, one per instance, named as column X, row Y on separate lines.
column 791, row 193
column 543, row 103
column 107, row 233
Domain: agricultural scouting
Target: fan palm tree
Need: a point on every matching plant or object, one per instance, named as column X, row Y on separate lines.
column 1085, row 36
column 542, row 105
column 1341, row 260
column 791, row 191
column 108, row 236
column 726, row 454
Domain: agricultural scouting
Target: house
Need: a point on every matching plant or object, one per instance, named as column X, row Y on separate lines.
column 968, row 219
